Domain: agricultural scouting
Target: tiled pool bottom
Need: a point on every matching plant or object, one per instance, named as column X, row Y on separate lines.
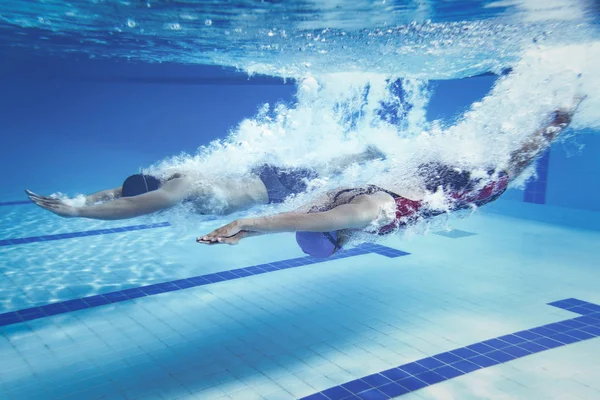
column 293, row 333
column 445, row 366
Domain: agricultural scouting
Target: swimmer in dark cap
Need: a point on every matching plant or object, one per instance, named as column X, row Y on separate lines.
column 143, row 194
column 323, row 227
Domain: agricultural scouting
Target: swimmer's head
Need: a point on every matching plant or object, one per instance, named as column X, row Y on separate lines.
column 319, row 244
column 139, row 184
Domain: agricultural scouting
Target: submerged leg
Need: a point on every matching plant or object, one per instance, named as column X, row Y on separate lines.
column 541, row 139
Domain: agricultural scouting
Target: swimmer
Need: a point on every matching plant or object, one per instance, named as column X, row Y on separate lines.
column 145, row 194
column 324, row 226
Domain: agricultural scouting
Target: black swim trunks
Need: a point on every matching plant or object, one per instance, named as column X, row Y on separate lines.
column 284, row 182
column 449, row 178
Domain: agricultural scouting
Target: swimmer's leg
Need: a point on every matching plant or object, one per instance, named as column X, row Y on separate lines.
column 541, row 139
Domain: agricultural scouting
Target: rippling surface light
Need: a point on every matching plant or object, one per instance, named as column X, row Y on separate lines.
column 421, row 38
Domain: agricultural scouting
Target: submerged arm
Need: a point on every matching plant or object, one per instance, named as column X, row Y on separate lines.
column 170, row 194
column 355, row 215
column 129, row 207
column 103, row 195
column 346, row 216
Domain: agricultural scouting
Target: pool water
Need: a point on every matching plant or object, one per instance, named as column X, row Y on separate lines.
column 498, row 303
column 274, row 324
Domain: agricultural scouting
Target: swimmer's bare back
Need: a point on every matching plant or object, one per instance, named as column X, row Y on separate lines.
column 228, row 195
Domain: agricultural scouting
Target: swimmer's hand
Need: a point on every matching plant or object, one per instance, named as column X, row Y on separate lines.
column 54, row 205
column 231, row 234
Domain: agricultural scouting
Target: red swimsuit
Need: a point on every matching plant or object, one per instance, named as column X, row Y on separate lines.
column 409, row 210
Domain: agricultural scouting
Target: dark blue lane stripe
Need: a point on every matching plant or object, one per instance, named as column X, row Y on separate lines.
column 63, row 307
column 441, row 367
column 60, row 236
column 577, row 306
column 15, row 203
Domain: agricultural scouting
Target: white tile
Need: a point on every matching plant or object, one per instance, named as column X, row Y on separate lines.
column 267, row 388
column 281, row 395
column 245, row 394
column 210, row 393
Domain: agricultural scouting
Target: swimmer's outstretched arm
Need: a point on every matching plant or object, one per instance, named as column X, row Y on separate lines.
column 103, row 195
column 356, row 215
column 537, row 143
column 169, row 195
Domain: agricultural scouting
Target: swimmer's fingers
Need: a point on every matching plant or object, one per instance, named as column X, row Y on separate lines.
column 42, row 204
column 57, row 207
column 43, row 201
column 47, row 202
column 223, row 232
column 206, row 239
column 48, row 205
column 34, row 196
column 208, row 242
column 230, row 241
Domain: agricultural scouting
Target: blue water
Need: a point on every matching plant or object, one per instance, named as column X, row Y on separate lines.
column 500, row 304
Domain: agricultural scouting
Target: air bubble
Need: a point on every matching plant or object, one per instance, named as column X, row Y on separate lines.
column 131, row 23
column 208, row 22
column 174, row 26
column 188, row 17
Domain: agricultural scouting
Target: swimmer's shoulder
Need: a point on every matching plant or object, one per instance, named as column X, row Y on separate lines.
column 180, row 185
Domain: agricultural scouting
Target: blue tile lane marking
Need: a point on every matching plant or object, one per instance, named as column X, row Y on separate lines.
column 71, row 235
column 64, row 307
column 15, row 203
column 428, row 371
column 577, row 306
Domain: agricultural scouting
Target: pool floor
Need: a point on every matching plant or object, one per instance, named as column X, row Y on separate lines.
column 373, row 325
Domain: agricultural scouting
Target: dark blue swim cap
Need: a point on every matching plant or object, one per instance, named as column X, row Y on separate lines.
column 139, row 184
column 318, row 244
